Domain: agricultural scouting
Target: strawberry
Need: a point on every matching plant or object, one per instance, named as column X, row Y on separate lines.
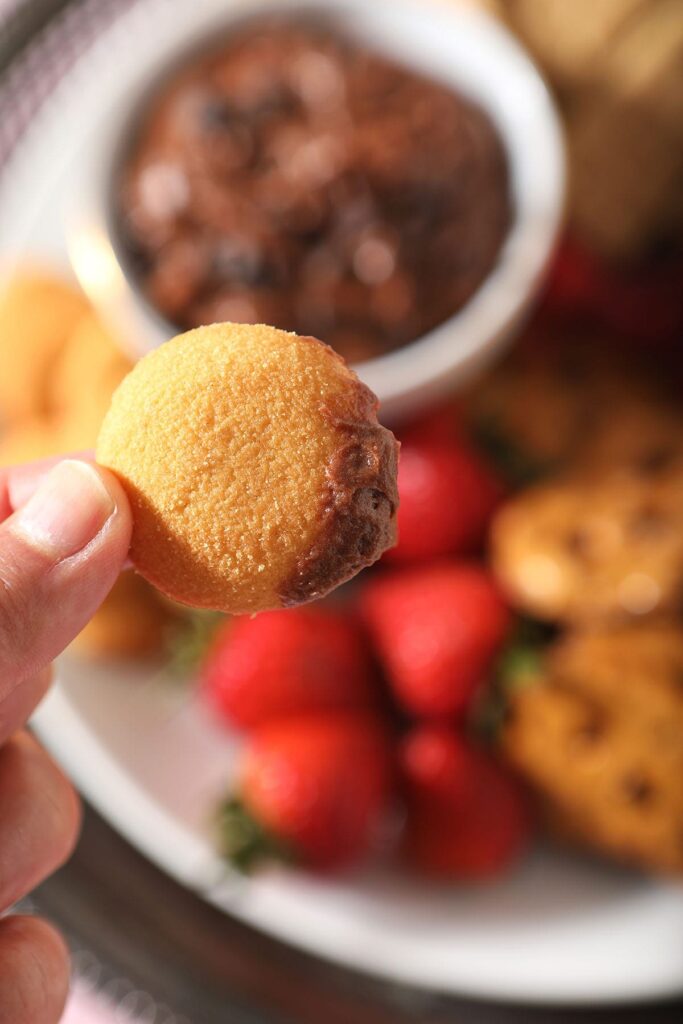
column 443, row 424
column 466, row 817
column 314, row 789
column 644, row 303
column 437, row 630
column 447, row 495
column 434, row 760
column 573, row 279
column 285, row 663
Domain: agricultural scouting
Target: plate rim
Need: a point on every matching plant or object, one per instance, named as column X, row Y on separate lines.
column 190, row 861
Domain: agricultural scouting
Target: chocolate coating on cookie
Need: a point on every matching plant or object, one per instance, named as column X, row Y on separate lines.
column 357, row 513
column 257, row 471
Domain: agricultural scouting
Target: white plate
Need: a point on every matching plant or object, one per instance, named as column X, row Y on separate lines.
column 560, row 929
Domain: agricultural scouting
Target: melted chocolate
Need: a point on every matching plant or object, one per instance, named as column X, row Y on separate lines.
column 358, row 511
column 291, row 176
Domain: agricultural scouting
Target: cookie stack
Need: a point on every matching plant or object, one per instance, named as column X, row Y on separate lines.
column 617, row 69
column 60, row 368
column 594, row 721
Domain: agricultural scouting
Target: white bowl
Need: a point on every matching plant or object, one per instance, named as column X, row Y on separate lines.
column 457, row 44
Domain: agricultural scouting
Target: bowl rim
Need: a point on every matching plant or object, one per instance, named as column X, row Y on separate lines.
column 524, row 116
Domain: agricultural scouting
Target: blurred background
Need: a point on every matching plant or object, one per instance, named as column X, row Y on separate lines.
column 479, row 205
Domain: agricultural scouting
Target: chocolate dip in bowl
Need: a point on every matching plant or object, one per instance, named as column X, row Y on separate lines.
column 386, row 177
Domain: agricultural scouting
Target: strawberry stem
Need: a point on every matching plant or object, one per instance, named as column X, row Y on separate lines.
column 522, row 656
column 520, row 664
column 515, row 467
column 189, row 642
column 245, row 843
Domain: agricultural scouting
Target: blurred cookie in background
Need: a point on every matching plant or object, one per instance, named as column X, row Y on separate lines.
column 617, row 69
column 133, row 622
column 62, row 368
column 585, row 548
column 567, row 394
column 626, row 171
column 531, row 408
column 643, row 61
column 38, row 312
column 91, row 366
column 598, row 735
column 569, row 39
column 92, row 357
column 642, row 435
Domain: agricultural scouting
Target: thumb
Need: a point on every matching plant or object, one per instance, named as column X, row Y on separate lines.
column 60, row 554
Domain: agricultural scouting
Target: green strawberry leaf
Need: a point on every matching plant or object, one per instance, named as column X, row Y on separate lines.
column 520, row 664
column 189, row 642
column 244, row 842
column 514, row 465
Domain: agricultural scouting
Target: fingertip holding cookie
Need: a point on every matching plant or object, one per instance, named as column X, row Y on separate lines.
column 257, row 471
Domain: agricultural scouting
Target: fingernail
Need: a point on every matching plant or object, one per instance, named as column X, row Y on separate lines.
column 69, row 508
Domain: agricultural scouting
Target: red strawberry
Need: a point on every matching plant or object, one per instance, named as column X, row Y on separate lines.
column 466, row 818
column 314, row 788
column 573, row 279
column 437, row 630
column 646, row 305
column 643, row 302
column 285, row 663
column 447, row 497
column 434, row 759
column 444, row 424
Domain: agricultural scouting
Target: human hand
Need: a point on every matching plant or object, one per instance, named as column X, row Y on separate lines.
column 64, row 535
